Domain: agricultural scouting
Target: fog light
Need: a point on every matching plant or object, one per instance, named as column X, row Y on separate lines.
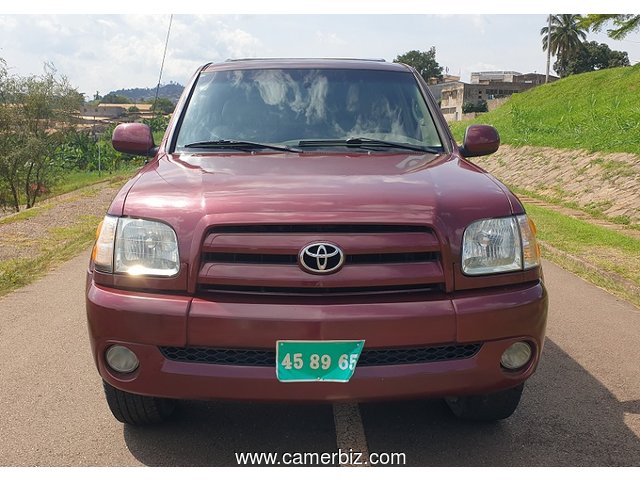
column 121, row 359
column 516, row 356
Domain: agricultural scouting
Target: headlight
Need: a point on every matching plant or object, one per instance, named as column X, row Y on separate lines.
column 145, row 247
column 499, row 245
column 136, row 247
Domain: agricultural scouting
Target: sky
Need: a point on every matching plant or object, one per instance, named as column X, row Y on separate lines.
column 101, row 52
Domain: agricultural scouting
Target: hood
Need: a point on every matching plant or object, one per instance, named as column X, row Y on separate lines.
column 444, row 191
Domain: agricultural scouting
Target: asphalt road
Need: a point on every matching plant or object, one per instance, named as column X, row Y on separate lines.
column 581, row 408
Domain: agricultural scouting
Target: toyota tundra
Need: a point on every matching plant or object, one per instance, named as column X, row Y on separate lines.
column 308, row 230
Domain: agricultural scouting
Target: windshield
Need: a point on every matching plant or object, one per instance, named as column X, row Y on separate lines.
column 290, row 106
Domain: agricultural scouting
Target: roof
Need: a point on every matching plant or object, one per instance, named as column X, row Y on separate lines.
column 127, row 106
column 346, row 63
column 496, row 72
column 304, row 59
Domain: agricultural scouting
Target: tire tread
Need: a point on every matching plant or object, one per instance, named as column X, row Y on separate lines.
column 134, row 409
column 486, row 408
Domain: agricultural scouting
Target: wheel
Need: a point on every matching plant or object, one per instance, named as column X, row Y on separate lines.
column 489, row 407
column 135, row 409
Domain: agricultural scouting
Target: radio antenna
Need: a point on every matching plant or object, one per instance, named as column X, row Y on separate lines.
column 166, row 43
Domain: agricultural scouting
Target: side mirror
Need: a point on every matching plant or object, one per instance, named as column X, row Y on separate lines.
column 480, row 140
column 133, row 138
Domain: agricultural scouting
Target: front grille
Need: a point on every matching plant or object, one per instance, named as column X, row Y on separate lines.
column 316, row 291
column 220, row 356
column 418, row 355
column 368, row 358
column 319, row 228
column 362, row 259
column 264, row 259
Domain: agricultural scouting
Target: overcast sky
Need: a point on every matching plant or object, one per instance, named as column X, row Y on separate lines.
column 113, row 51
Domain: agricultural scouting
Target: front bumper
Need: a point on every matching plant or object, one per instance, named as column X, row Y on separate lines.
column 144, row 321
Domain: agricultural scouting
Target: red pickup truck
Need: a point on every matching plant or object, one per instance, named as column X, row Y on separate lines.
column 309, row 230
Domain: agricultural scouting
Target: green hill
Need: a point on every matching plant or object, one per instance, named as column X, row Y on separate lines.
column 597, row 111
column 172, row 91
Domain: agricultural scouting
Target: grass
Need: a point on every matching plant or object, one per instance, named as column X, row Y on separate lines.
column 596, row 278
column 25, row 214
column 611, row 252
column 78, row 179
column 594, row 209
column 574, row 236
column 616, row 169
column 596, row 111
column 60, row 244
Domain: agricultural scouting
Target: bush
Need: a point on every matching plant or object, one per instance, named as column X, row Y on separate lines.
column 470, row 107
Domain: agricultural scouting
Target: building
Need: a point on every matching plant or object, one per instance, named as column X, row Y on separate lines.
column 484, row 87
column 444, row 79
column 487, row 78
column 493, row 76
column 99, row 117
column 114, row 110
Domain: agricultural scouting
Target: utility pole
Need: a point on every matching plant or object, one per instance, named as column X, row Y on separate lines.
column 546, row 78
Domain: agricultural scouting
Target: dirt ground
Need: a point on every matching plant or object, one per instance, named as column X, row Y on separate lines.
column 21, row 239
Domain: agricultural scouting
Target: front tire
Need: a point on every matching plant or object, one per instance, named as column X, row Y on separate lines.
column 487, row 408
column 134, row 409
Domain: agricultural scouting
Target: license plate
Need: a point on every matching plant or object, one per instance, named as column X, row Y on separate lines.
column 309, row 361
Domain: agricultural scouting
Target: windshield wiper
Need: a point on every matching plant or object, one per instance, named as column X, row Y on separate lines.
column 241, row 145
column 363, row 142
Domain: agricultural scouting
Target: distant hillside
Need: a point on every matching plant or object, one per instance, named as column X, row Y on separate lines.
column 597, row 111
column 172, row 91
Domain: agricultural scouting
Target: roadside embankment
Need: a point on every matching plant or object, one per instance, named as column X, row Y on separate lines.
column 601, row 184
column 586, row 207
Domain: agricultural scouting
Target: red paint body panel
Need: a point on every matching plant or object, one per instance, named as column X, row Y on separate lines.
column 260, row 325
column 148, row 318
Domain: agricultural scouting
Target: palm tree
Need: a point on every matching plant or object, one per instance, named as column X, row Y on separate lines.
column 565, row 36
column 624, row 24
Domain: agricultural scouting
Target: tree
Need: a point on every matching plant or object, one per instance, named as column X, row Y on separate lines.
column 36, row 113
column 424, row 62
column 78, row 151
column 566, row 37
column 113, row 98
column 592, row 56
column 7, row 170
column 624, row 24
column 158, row 124
column 163, row 105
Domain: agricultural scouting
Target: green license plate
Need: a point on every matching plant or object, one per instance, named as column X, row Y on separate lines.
column 308, row 361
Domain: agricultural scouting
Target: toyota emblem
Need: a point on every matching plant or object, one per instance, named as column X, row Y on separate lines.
column 321, row 258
